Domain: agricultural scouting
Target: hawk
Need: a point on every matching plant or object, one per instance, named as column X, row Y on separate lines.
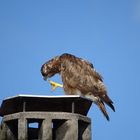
column 79, row 77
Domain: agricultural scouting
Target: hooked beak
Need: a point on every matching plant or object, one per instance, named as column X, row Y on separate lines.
column 45, row 78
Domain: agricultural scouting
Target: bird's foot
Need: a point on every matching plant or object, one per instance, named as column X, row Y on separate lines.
column 55, row 85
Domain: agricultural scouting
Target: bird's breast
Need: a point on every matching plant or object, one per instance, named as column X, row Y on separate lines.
column 71, row 91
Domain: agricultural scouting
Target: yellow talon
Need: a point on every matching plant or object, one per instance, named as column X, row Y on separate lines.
column 55, row 85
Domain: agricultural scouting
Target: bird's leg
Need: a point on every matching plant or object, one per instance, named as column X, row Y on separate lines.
column 55, row 85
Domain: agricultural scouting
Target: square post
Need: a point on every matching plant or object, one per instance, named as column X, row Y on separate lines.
column 22, row 128
column 46, row 130
column 67, row 131
column 87, row 133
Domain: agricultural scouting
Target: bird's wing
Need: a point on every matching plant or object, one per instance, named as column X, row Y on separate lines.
column 80, row 74
column 95, row 73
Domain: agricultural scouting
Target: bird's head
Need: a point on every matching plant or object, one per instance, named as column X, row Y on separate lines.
column 50, row 68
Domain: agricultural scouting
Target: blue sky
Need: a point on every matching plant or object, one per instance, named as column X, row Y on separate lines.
column 107, row 33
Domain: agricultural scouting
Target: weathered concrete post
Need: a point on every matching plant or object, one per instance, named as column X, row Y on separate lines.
column 58, row 118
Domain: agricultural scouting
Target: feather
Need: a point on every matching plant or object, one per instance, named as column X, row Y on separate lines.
column 108, row 101
column 103, row 109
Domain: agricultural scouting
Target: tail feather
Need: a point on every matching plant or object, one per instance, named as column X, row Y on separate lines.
column 103, row 109
column 103, row 95
column 108, row 101
column 111, row 106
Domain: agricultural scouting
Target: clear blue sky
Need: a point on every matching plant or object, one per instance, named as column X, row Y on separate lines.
column 105, row 32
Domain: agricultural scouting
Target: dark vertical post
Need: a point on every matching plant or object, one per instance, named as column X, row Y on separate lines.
column 24, row 106
column 73, row 107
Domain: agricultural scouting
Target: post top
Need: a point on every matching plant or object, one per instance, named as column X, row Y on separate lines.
column 63, row 103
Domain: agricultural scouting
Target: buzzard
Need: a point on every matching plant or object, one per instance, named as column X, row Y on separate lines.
column 79, row 77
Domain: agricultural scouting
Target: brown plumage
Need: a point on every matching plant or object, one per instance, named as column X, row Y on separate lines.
column 79, row 77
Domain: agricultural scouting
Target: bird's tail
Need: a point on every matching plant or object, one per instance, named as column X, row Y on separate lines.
column 108, row 101
column 103, row 95
column 103, row 109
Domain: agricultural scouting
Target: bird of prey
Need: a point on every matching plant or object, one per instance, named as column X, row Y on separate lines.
column 79, row 77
